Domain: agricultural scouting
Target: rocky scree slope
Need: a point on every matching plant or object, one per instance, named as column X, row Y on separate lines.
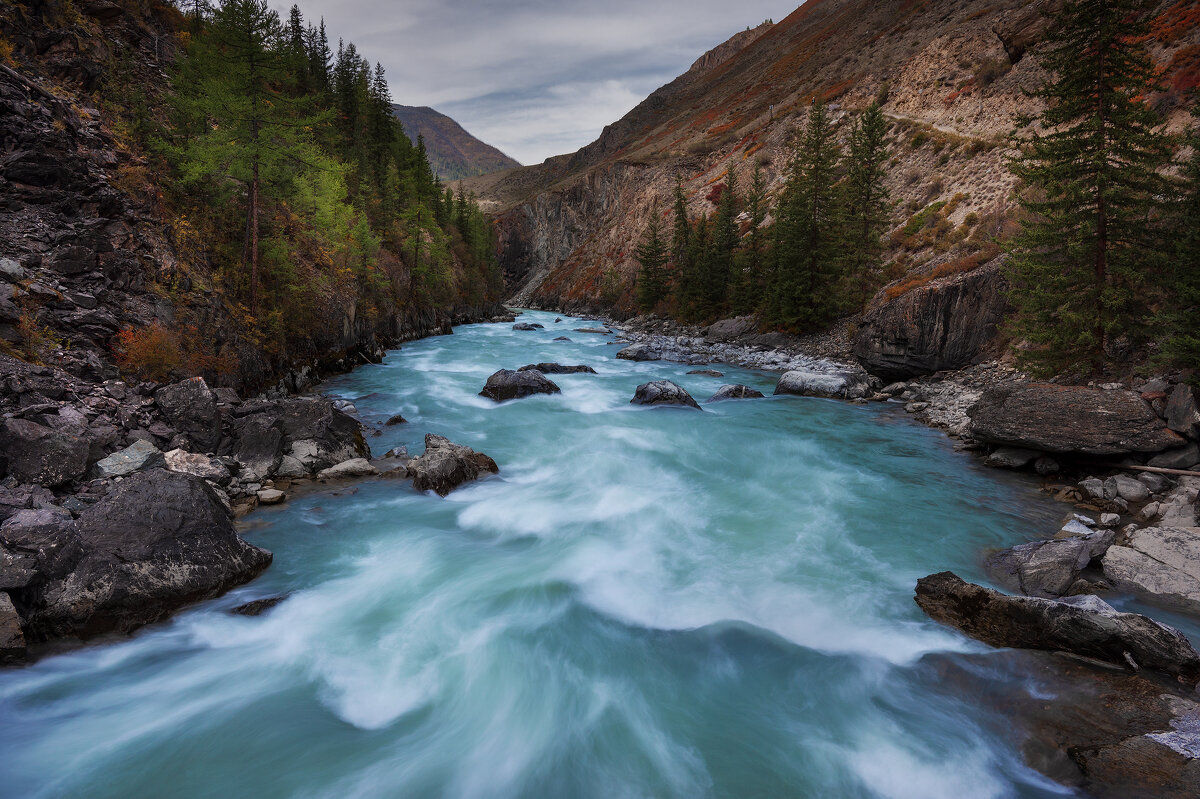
column 453, row 152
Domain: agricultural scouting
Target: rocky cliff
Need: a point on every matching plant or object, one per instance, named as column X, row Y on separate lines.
column 453, row 152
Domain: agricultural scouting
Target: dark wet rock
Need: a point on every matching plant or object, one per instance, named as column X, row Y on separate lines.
column 833, row 385
column 663, row 392
column 1126, row 488
column 1182, row 411
column 310, row 430
column 561, row 338
column 259, row 444
column 1069, row 419
column 946, row 324
column 1048, row 569
column 528, row 326
column 1010, row 458
column 507, row 384
column 161, row 540
column 38, row 454
column 558, row 369
column 728, row 330
column 12, row 639
column 1183, row 457
column 137, row 457
column 445, row 466
column 192, row 409
column 1085, row 626
column 639, row 352
column 395, row 420
column 707, row 372
column 735, row 392
column 258, row 606
column 1161, row 564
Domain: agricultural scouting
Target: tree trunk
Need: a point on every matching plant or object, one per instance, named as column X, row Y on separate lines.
column 254, row 242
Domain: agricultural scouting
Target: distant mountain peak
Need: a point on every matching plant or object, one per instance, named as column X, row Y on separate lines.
column 453, row 153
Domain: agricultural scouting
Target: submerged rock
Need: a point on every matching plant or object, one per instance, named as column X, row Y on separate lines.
column 833, row 385
column 1010, row 458
column 1085, row 626
column 258, row 606
column 735, row 392
column 1159, row 563
column 395, row 420
column 663, row 392
column 528, row 326
column 445, row 466
column 707, row 372
column 507, row 384
column 557, row 369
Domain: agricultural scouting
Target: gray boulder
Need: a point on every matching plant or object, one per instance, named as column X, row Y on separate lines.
column 161, row 540
column 445, row 466
column 663, row 392
column 706, row 372
column 1184, row 457
column 192, row 409
column 1182, row 411
column 309, row 429
column 1127, row 488
column 1085, row 626
column 39, row 454
column 735, row 392
column 833, row 385
column 137, row 457
column 193, row 463
column 639, row 352
column 355, row 467
column 558, row 369
column 1069, row 419
column 12, row 639
column 507, row 384
column 1159, row 563
column 1042, row 568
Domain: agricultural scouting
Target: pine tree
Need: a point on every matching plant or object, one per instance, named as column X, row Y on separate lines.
column 866, row 202
column 746, row 291
column 681, row 231
column 1082, row 266
column 1181, row 314
column 652, row 255
column 717, row 265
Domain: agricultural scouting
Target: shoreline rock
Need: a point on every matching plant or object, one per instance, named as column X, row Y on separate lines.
column 445, row 466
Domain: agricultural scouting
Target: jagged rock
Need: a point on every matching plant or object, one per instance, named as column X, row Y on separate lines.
column 1125, row 487
column 1179, row 508
column 258, row 606
column 12, row 640
column 1010, row 458
column 507, row 384
column 735, row 392
column 528, row 326
column 178, row 460
column 445, row 466
column 37, row 544
column 137, row 457
column 159, row 541
column 192, row 409
column 395, row 420
column 558, row 369
column 946, row 324
column 1179, row 458
column 1182, row 411
column 355, row 467
column 1084, row 626
column 1160, row 563
column 270, row 496
column 1068, row 419
column 1041, row 568
column 639, row 352
column 259, row 444
column 730, row 329
column 310, row 430
column 37, row 454
column 707, row 372
column 290, row 467
column 834, row 385
column 663, row 392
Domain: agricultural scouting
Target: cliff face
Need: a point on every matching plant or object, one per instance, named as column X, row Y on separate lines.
column 953, row 78
column 453, row 152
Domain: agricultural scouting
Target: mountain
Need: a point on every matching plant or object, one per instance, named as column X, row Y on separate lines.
column 952, row 77
column 453, row 152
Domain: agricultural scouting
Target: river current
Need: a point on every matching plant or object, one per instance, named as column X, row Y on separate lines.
column 646, row 602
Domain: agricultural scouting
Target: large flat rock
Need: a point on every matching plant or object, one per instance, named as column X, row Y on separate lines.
column 1159, row 563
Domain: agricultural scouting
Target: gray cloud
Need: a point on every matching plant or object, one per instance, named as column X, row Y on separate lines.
column 532, row 77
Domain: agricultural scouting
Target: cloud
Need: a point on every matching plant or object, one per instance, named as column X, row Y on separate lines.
column 532, row 77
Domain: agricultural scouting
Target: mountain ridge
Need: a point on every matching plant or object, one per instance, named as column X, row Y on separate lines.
column 452, row 151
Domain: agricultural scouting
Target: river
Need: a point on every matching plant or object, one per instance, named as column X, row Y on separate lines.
column 646, row 602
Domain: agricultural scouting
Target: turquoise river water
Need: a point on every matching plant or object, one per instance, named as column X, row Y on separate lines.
column 646, row 602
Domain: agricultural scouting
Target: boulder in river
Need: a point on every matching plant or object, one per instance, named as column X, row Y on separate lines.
column 507, row 384
column 558, row 369
column 639, row 352
column 1158, row 563
column 663, row 392
column 445, row 466
column 39, row 454
column 1010, row 458
column 310, row 430
column 1069, row 419
column 528, row 326
column 833, row 385
column 1048, row 569
column 1085, row 626
column 259, row 606
column 706, row 372
column 159, row 541
column 735, row 392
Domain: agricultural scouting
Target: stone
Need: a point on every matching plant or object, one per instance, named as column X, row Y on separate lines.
column 395, row 420
column 639, row 352
column 944, row 325
column 259, row 444
column 445, row 466
column 258, row 606
column 561, row 338
column 507, row 384
column 1182, row 411
column 1046, row 466
column 1184, row 457
column 11, row 271
column 558, row 369
column 1110, row 519
column 355, row 467
column 137, row 457
column 192, row 409
column 735, row 392
column 1010, row 457
column 663, row 392
column 1158, row 563
column 290, row 467
column 159, row 541
column 1093, row 487
column 1041, row 568
column 12, row 639
column 834, row 385
column 1157, row 483
column 707, row 372
column 1179, row 508
column 1085, row 626
column 38, row 454
column 270, row 496
column 528, row 326
column 178, row 460
column 1127, row 488
column 1069, row 419
column 309, row 429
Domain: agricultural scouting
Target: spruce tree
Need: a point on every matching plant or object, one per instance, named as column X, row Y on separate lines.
column 681, row 232
column 1181, row 314
column 866, row 202
column 748, row 286
column 1083, row 264
column 652, row 256
column 719, row 254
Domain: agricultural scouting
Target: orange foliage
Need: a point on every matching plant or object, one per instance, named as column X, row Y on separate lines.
column 1184, row 69
column 1176, row 21
column 151, row 353
column 955, row 267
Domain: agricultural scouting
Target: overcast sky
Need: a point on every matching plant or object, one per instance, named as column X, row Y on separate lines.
column 535, row 78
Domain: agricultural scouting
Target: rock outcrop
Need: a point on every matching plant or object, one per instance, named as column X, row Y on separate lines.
column 1084, row 626
column 445, row 466
column 1048, row 569
column 663, row 392
column 507, row 384
column 1161, row 564
column 35, row 453
column 1069, row 420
